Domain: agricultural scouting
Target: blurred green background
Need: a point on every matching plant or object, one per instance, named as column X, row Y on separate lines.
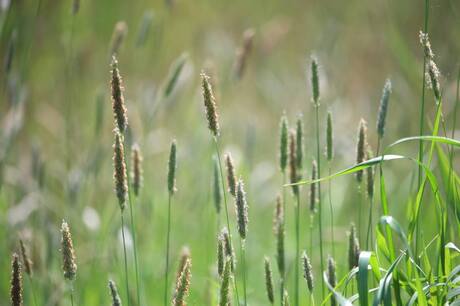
column 56, row 149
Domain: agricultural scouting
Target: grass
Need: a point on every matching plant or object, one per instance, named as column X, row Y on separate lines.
column 410, row 255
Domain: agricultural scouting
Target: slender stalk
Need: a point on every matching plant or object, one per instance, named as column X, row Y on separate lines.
column 297, row 249
column 312, row 299
column 71, row 293
column 126, row 258
column 451, row 157
column 284, row 211
column 320, row 223
column 216, row 143
column 422, row 119
column 332, row 213
column 369, row 223
column 32, row 289
column 243, row 263
column 167, row 251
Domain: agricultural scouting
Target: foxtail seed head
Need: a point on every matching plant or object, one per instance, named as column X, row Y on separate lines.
column 184, row 255
column 299, row 144
column 307, row 271
column 315, row 81
column 331, row 277
column 269, row 280
column 370, row 175
column 433, row 79
column 329, row 138
column 225, row 299
column 228, row 247
column 16, row 282
column 383, row 108
column 293, row 162
column 220, row 255
column 119, row 173
column 353, row 248
column 116, row 301
column 172, row 164
column 210, row 105
column 231, row 177
column 313, row 187
column 25, row 258
column 69, row 265
column 241, row 209
column 216, row 185
column 183, row 284
column 283, row 143
column 118, row 100
column 425, row 42
column 136, row 173
column 278, row 229
column 361, row 147
column 242, row 54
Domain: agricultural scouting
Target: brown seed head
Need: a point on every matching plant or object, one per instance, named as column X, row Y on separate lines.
column 293, row 162
column 183, row 284
column 210, row 105
column 25, row 258
column 136, row 172
column 69, row 265
column 231, row 177
column 16, row 282
column 361, row 147
column 118, row 100
column 278, row 229
column 119, row 173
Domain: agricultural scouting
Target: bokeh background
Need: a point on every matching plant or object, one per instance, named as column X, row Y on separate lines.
column 56, row 149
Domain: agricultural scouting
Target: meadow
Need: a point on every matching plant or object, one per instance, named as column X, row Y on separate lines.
column 214, row 153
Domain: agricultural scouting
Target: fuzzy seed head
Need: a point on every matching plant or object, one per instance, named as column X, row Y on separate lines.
column 329, row 138
column 16, row 282
column 210, row 105
column 184, row 255
column 331, row 276
column 433, row 79
column 136, row 173
column 353, row 248
column 119, row 173
column 183, row 284
column 241, row 209
column 361, row 147
column 314, row 187
column 299, row 144
column 116, row 301
column 220, row 255
column 293, row 162
column 25, row 258
column 225, row 299
column 231, row 177
column 283, row 143
column 370, row 175
column 425, row 42
column 216, row 186
column 242, row 54
column 172, row 164
column 315, row 81
column 118, row 100
column 278, row 229
column 383, row 108
column 228, row 247
column 269, row 280
column 307, row 271
column 69, row 265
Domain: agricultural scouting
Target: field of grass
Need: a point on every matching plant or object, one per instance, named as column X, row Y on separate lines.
column 213, row 153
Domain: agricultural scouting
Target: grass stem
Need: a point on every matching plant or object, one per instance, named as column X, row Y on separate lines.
column 320, row 223
column 168, row 237
column 125, row 257
column 297, row 249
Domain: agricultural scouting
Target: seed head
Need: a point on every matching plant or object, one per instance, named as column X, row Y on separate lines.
column 283, row 143
column 278, row 229
column 307, row 271
column 16, row 282
column 383, row 108
column 183, row 284
column 184, row 256
column 433, row 79
column 220, row 255
column 227, row 278
column 241, row 209
column 172, row 168
column 228, row 246
column 216, row 186
column 370, row 175
column 299, row 144
column 425, row 42
column 136, row 173
column 313, row 187
column 174, row 74
column 269, row 280
column 116, row 301
column 25, row 258
column 231, row 177
column 361, row 147
column 353, row 248
column 242, row 54
column 331, row 277
column 118, row 100
column 315, row 81
column 210, row 105
column 293, row 162
column 119, row 34
column 69, row 265
column 329, row 138
column 119, row 173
